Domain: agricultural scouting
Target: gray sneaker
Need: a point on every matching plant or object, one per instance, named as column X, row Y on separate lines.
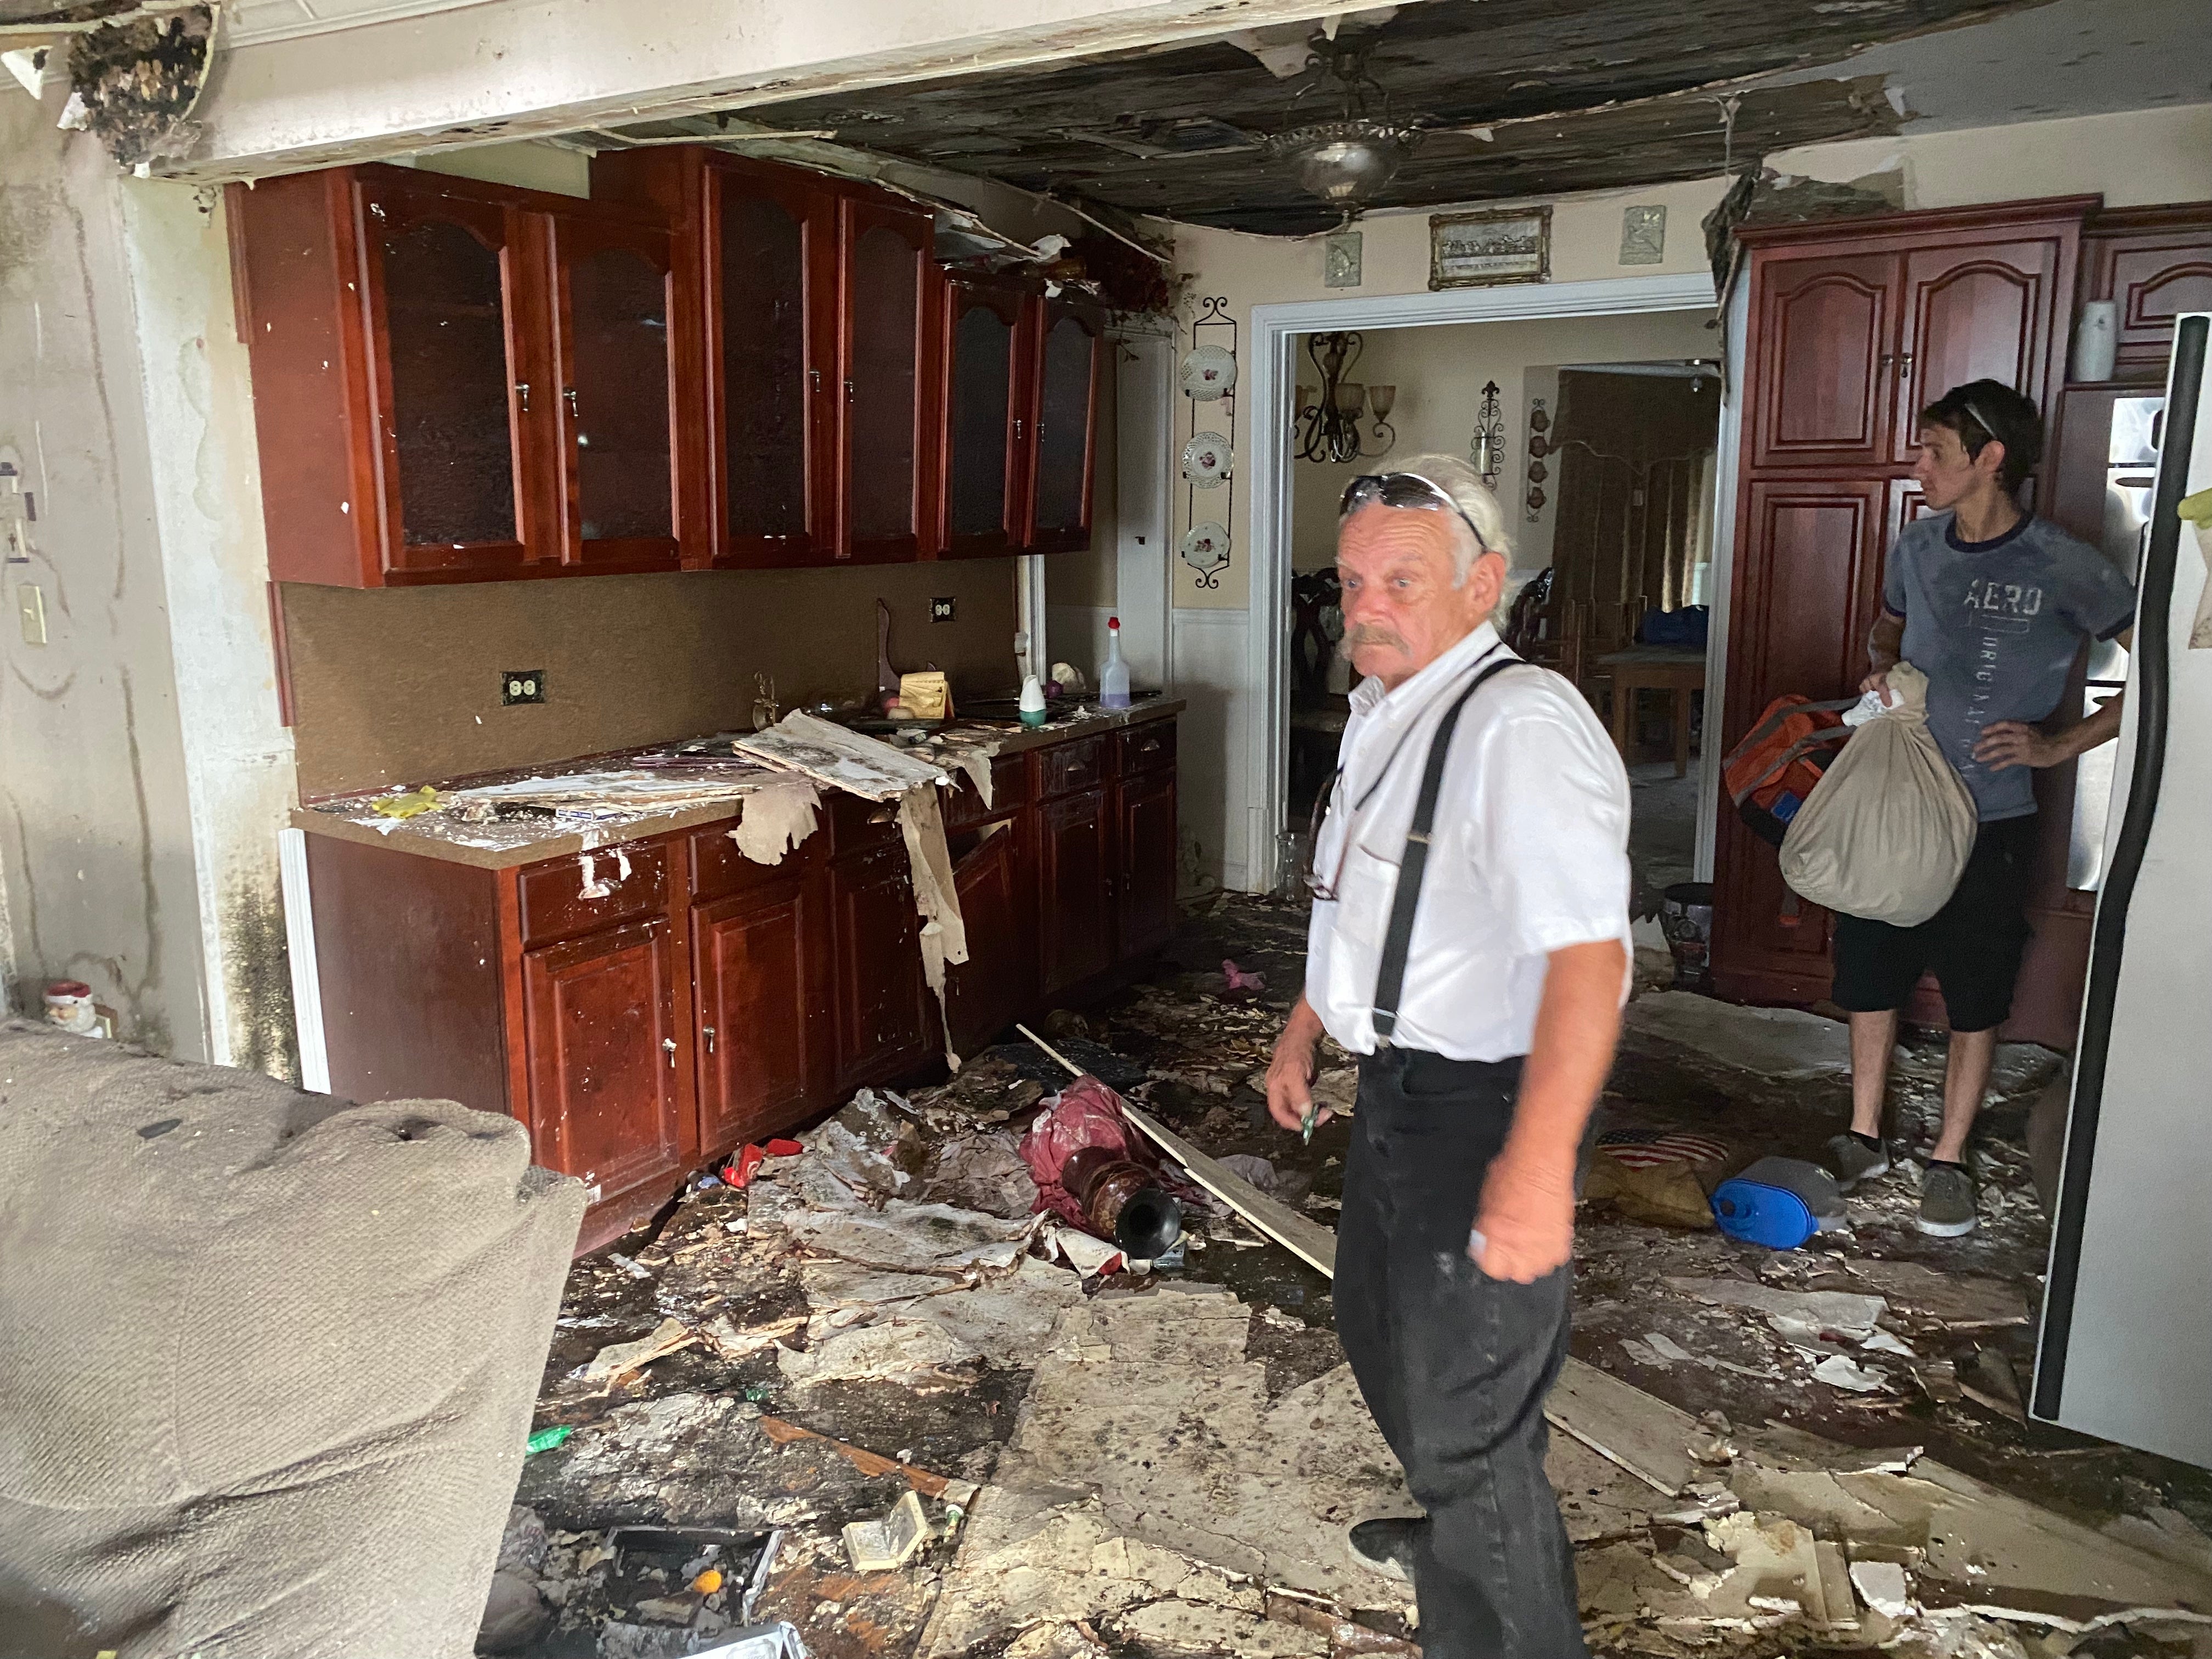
column 1947, row 1201
column 1851, row 1163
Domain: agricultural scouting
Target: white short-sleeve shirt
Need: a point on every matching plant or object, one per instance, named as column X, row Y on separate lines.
column 1528, row 854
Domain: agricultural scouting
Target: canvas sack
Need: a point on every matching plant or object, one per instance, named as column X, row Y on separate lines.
column 1887, row 832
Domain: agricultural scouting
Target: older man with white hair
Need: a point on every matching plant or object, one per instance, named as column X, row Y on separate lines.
column 1470, row 944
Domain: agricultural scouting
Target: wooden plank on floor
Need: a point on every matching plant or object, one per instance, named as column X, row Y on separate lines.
column 1645, row 1435
column 1306, row 1239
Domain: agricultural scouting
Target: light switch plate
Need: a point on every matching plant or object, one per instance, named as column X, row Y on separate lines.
column 31, row 607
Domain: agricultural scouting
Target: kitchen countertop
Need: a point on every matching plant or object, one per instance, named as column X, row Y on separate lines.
column 504, row 843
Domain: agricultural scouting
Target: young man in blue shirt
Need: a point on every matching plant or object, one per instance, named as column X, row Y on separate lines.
column 1992, row 603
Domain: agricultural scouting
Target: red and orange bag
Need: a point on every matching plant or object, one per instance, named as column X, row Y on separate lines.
column 1772, row 769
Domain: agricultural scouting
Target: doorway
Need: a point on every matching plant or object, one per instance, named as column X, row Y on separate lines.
column 1601, row 433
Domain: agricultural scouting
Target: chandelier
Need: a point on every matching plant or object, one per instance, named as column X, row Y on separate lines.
column 1344, row 162
column 1329, row 418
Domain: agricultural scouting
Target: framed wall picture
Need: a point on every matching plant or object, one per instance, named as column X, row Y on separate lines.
column 1487, row 249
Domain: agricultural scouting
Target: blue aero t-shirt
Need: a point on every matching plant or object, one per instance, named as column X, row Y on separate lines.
column 1995, row 625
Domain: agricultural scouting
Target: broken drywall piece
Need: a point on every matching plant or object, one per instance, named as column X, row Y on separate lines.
column 611, row 1363
column 850, row 761
column 593, row 888
column 1840, row 1372
column 1962, row 1300
column 913, row 1237
column 775, row 818
column 1885, row 1588
column 1798, row 1315
column 944, row 932
column 1784, row 1045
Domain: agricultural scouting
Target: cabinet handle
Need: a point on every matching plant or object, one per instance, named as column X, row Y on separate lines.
column 1905, row 367
column 814, row 374
column 669, row 1044
column 848, row 392
column 708, row 1031
column 522, row 391
column 570, row 393
column 1018, row 429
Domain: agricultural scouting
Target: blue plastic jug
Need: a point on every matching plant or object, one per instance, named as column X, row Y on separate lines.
column 1779, row 1202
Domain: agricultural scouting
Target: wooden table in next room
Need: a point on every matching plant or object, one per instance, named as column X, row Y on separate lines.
column 1677, row 669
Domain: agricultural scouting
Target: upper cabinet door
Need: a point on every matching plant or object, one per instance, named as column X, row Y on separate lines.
column 771, row 285
column 1070, row 365
column 1971, row 313
column 884, row 432
column 613, row 306
column 1827, row 329
column 984, row 438
column 458, row 402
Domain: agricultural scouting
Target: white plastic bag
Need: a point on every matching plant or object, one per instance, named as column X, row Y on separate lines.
column 1888, row 830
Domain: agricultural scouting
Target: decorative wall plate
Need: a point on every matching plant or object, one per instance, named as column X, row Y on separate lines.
column 1204, row 545
column 1208, row 372
column 1206, row 460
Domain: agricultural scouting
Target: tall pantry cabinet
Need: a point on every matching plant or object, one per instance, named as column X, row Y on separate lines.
column 1854, row 327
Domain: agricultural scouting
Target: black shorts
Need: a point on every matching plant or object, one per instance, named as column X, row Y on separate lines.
column 1973, row 943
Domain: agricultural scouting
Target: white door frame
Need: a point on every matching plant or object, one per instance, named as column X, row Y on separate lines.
column 1273, row 328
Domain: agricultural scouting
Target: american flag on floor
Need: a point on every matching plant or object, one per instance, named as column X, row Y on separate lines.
column 1640, row 1149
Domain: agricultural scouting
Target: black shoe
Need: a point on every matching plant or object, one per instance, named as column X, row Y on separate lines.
column 1386, row 1544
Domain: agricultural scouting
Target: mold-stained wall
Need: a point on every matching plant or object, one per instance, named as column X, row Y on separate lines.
column 95, row 829
column 144, row 773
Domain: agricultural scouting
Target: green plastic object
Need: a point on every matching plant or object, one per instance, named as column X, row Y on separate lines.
column 544, row 1440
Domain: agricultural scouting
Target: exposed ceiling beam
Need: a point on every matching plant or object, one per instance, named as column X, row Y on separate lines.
column 508, row 69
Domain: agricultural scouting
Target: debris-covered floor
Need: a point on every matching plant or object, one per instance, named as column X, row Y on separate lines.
column 1826, row 1449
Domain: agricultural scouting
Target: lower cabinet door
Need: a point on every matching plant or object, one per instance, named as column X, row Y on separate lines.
column 601, row 1031
column 760, row 962
column 881, row 1025
column 1145, row 821
column 984, row 994
column 1075, row 900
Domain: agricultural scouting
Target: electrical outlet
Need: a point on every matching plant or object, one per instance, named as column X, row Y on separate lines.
column 941, row 610
column 521, row 685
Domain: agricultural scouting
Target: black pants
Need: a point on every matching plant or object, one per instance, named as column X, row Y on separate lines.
column 1456, row 1365
column 1973, row 943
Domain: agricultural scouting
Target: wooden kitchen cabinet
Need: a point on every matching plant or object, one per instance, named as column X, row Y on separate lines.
column 887, row 359
column 985, row 427
column 761, row 970
column 882, row 1026
column 1144, row 839
column 1992, row 308
column 613, row 307
column 649, row 1007
column 1828, row 323
column 2153, row 263
column 1070, row 372
column 604, row 1101
column 988, row 992
column 1076, row 899
column 413, row 339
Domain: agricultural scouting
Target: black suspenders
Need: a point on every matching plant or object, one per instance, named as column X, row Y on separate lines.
column 1390, row 980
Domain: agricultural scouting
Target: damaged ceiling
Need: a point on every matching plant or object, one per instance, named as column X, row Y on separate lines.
column 1519, row 98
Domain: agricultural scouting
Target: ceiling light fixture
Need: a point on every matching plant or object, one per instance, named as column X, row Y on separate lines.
column 1346, row 161
column 1329, row 418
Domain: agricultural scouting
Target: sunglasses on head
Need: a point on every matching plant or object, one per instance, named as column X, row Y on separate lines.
column 1404, row 489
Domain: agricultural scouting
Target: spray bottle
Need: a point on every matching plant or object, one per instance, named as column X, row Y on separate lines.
column 1113, row 675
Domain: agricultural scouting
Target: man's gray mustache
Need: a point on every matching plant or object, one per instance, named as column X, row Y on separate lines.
column 1367, row 634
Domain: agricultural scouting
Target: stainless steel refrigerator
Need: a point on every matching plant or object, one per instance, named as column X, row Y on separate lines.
column 2125, row 1347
